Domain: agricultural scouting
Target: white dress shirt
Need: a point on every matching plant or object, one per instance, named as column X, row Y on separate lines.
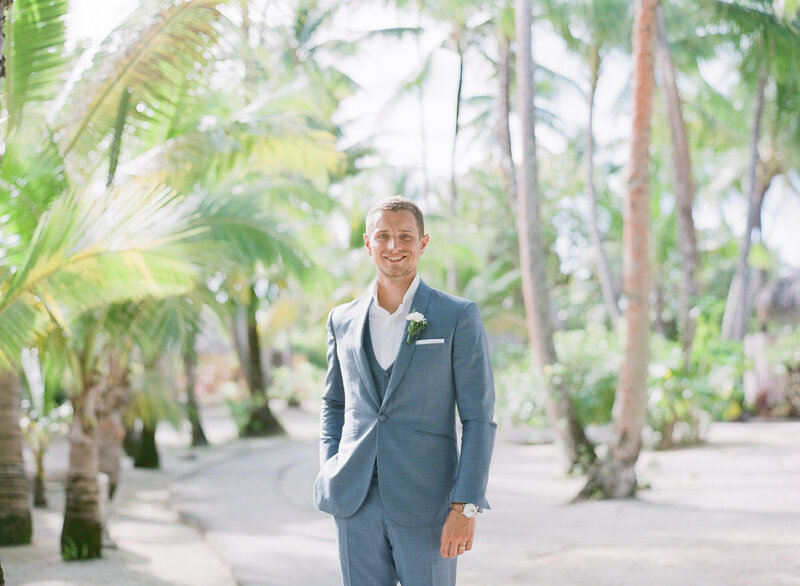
column 386, row 330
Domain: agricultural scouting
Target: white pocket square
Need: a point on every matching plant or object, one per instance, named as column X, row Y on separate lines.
column 430, row 341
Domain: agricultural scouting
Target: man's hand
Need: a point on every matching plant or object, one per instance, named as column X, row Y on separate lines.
column 457, row 534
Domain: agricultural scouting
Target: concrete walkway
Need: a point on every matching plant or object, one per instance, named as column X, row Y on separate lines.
column 723, row 514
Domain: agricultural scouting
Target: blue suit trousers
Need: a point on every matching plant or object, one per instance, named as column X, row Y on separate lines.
column 374, row 550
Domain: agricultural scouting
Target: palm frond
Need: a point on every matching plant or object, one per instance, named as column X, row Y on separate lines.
column 153, row 59
column 781, row 38
column 86, row 253
column 35, row 58
column 31, row 177
column 239, row 232
column 279, row 144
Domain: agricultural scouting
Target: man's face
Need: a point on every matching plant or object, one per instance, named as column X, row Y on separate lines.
column 394, row 243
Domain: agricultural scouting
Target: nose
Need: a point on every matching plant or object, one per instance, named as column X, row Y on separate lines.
column 394, row 243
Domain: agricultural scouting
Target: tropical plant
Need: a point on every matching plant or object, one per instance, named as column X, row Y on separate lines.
column 614, row 476
column 536, row 294
column 45, row 414
column 593, row 29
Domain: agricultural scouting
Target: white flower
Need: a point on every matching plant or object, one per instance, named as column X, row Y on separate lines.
column 418, row 323
column 415, row 316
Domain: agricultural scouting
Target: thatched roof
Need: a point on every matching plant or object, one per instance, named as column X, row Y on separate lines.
column 779, row 300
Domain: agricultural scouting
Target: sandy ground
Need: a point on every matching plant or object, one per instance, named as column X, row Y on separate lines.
column 726, row 513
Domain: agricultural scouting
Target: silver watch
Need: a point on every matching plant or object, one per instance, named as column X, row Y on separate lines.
column 470, row 510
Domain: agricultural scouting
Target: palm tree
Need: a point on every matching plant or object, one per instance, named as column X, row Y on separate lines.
column 614, row 476
column 772, row 39
column 561, row 413
column 15, row 514
column 39, row 29
column 593, row 29
column 684, row 188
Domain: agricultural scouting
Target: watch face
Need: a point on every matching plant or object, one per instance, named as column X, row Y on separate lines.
column 470, row 510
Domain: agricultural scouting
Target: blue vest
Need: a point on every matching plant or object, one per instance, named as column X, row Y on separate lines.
column 380, row 377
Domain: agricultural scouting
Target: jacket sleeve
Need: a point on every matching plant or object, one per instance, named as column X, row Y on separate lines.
column 474, row 384
column 332, row 410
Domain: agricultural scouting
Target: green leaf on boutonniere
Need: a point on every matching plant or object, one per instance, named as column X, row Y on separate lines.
column 418, row 323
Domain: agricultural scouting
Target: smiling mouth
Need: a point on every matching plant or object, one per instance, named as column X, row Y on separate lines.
column 394, row 258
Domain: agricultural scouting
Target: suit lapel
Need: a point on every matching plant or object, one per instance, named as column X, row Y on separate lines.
column 358, row 342
column 420, row 304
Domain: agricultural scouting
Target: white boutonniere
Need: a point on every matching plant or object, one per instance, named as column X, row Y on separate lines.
column 418, row 323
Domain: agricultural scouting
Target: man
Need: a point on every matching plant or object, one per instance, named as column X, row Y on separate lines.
column 401, row 359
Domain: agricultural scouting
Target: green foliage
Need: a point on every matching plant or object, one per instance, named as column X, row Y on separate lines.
column 35, row 57
column 520, row 389
column 684, row 396
column 153, row 397
column 589, row 364
column 297, row 381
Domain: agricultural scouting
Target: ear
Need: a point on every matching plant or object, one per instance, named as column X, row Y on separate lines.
column 423, row 243
column 367, row 244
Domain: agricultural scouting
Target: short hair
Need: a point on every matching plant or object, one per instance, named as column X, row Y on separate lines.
column 396, row 204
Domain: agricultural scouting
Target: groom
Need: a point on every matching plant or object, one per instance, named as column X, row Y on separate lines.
column 403, row 361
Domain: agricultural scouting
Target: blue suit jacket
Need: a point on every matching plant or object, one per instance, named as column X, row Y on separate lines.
column 412, row 432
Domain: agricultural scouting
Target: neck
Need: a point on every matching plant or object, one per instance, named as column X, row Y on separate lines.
column 391, row 291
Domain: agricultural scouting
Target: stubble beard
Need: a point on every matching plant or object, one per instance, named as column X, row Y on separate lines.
column 396, row 274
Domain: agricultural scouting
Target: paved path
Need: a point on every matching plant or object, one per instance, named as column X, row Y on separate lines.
column 724, row 514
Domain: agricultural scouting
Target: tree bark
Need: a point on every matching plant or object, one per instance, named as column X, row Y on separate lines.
column 452, row 273
column 561, row 413
column 737, row 310
column 503, row 124
column 5, row 6
column 262, row 421
column 39, row 484
column 111, row 427
column 192, row 412
column 15, row 510
column 147, row 457
column 82, row 533
column 603, row 271
column 684, row 190
column 615, row 475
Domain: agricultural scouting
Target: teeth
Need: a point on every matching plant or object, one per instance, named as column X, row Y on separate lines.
column 394, row 257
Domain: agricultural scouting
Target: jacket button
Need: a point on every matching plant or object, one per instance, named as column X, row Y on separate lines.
column 381, row 417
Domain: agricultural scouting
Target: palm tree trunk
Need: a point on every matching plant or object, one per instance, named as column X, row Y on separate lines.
column 737, row 310
column 561, row 413
column 147, row 456
column 111, row 429
column 452, row 273
column 262, row 421
column 39, row 491
column 426, row 183
column 5, row 6
column 189, row 360
column 603, row 271
column 15, row 511
column 82, row 533
column 684, row 190
column 503, row 125
column 615, row 475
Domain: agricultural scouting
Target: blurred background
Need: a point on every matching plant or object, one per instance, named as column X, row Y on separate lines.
column 183, row 186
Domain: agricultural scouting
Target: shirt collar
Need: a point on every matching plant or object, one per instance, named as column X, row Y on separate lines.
column 405, row 307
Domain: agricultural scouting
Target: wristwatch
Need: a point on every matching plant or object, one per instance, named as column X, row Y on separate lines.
column 467, row 509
